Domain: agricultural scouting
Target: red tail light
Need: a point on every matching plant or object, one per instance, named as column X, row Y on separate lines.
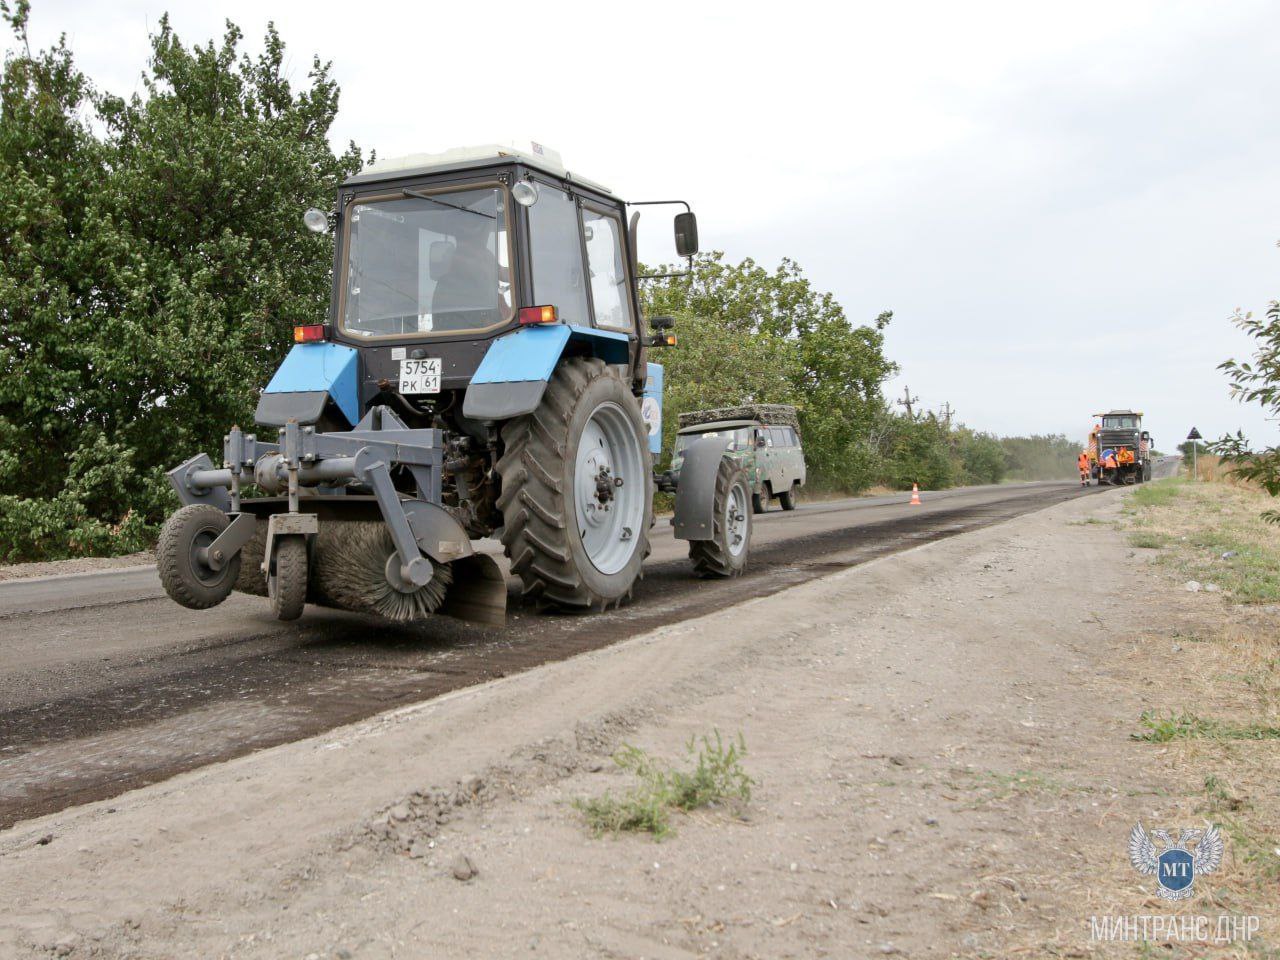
column 532, row 315
column 311, row 333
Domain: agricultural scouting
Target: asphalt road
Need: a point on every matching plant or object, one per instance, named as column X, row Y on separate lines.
column 105, row 684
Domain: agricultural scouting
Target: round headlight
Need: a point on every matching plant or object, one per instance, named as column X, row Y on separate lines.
column 525, row 193
column 316, row 221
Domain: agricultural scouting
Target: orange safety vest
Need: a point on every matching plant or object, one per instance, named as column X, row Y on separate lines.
column 1084, row 463
column 1109, row 463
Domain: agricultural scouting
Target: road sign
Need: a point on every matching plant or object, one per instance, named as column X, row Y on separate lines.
column 1194, row 434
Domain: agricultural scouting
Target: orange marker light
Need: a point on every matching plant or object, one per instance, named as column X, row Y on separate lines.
column 671, row 339
column 532, row 315
column 310, row 333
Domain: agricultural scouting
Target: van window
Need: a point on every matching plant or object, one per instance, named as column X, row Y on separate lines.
column 779, row 435
column 793, row 437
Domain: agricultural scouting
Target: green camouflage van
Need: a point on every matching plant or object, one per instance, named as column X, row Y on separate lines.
column 765, row 437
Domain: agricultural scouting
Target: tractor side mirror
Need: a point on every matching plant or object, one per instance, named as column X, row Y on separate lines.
column 440, row 258
column 686, row 234
column 662, row 323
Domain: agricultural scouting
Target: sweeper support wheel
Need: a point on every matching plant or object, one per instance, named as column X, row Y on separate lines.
column 287, row 577
column 189, row 574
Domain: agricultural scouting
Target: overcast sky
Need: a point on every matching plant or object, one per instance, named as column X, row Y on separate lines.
column 1062, row 204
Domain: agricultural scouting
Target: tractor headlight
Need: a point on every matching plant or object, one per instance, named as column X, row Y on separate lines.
column 525, row 193
column 316, row 220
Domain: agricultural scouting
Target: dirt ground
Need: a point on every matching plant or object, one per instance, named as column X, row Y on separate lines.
column 941, row 738
column 62, row 568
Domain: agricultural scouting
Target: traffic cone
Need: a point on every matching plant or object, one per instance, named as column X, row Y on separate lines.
column 915, row 495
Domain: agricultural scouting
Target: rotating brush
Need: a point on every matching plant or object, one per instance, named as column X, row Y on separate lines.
column 349, row 570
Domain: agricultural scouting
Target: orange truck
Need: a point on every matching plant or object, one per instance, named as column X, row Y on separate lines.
column 1119, row 449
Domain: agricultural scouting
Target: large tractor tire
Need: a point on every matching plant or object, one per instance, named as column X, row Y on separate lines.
column 725, row 554
column 577, row 490
column 180, row 557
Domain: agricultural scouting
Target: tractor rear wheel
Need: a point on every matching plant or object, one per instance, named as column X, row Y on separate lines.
column 725, row 554
column 287, row 578
column 183, row 562
column 577, row 489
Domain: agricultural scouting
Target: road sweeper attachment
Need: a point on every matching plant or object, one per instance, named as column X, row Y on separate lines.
column 481, row 388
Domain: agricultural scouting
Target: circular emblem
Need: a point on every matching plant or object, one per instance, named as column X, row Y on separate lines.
column 651, row 413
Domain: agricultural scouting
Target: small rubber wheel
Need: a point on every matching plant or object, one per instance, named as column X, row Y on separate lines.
column 184, row 539
column 758, row 503
column 725, row 555
column 287, row 582
column 788, row 499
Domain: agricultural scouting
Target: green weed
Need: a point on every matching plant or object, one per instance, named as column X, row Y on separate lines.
column 716, row 775
column 1156, row 494
column 1190, row 727
column 1148, row 540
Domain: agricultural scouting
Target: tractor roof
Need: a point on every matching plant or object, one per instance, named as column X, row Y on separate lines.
column 530, row 154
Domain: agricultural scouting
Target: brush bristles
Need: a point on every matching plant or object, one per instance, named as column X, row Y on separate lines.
column 349, row 571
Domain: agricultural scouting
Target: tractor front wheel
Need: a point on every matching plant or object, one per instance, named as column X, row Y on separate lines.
column 183, row 561
column 577, row 489
column 725, row 554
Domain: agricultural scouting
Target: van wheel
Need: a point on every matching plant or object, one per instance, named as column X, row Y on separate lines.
column 758, row 503
column 788, row 499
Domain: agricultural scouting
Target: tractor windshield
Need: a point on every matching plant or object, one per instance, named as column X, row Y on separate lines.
column 1119, row 423
column 427, row 262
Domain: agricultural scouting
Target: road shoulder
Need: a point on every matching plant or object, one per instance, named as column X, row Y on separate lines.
column 940, row 739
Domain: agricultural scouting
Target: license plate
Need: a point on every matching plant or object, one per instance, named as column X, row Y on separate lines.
column 420, row 376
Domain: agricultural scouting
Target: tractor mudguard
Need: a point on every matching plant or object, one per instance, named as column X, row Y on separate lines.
column 513, row 375
column 696, row 491
column 311, row 375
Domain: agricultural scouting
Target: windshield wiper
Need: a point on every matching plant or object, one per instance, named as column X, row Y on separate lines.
column 431, row 199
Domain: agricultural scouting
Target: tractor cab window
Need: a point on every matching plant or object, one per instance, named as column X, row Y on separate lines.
column 555, row 246
column 435, row 263
column 610, row 294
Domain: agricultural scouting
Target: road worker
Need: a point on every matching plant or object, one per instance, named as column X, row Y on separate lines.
column 1109, row 463
column 1083, row 463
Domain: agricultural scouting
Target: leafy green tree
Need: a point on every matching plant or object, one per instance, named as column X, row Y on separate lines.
column 751, row 334
column 1255, row 382
column 149, row 274
column 981, row 456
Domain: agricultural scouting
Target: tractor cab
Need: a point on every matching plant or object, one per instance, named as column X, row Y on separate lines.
column 437, row 257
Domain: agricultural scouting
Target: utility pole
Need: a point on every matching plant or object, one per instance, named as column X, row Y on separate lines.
column 946, row 413
column 907, row 401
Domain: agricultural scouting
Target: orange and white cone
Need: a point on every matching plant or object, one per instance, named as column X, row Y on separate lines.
column 915, row 495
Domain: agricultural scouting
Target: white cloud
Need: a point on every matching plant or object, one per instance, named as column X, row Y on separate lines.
column 1061, row 204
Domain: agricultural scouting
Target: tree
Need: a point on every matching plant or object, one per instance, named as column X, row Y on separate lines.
column 149, row 274
column 1256, row 382
column 749, row 334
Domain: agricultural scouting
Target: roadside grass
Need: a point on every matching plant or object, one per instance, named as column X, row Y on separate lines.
column 1216, row 663
column 1186, row 726
column 716, row 777
column 1209, row 532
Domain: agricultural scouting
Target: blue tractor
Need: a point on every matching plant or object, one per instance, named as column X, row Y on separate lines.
column 483, row 373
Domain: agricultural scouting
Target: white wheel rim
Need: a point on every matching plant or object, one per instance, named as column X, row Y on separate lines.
column 735, row 520
column 609, row 516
